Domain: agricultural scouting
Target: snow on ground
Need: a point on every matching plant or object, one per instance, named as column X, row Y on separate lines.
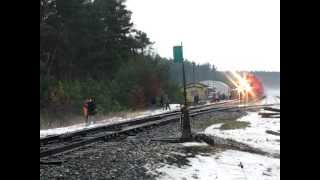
column 77, row 127
column 112, row 120
column 268, row 100
column 272, row 91
column 255, row 135
column 187, row 144
column 224, row 166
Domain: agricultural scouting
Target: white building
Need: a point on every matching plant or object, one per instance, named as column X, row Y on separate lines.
column 217, row 87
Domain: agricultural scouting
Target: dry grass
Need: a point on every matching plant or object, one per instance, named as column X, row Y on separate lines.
column 235, row 125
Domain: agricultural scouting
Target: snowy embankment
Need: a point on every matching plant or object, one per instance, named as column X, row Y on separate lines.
column 226, row 165
column 76, row 127
column 272, row 91
column 255, row 135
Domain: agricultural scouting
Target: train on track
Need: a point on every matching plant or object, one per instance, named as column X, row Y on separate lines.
column 254, row 88
column 256, row 85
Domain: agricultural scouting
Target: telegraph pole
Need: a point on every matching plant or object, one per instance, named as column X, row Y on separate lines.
column 186, row 128
column 193, row 67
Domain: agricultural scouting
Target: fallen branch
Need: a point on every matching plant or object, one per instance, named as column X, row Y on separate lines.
column 273, row 132
column 268, row 114
column 272, row 109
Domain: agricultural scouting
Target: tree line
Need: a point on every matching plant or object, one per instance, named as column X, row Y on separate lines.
column 195, row 72
column 81, row 39
column 90, row 48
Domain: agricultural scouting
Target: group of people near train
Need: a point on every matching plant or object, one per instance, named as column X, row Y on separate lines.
column 218, row 97
column 163, row 101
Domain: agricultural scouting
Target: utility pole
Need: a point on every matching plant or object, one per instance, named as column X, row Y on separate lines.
column 193, row 67
column 186, row 128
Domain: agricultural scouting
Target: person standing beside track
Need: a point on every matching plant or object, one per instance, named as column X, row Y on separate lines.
column 166, row 102
column 89, row 110
column 161, row 101
column 197, row 99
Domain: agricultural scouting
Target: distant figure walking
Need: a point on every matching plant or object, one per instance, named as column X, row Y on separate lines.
column 167, row 102
column 161, row 101
column 196, row 99
column 89, row 110
column 153, row 102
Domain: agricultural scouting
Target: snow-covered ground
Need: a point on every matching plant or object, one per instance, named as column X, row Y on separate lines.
column 128, row 117
column 270, row 100
column 272, row 91
column 255, row 135
column 224, row 166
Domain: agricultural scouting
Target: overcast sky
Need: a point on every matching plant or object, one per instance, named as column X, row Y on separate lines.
column 231, row 34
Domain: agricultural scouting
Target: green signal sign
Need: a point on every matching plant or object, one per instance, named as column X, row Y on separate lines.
column 177, row 54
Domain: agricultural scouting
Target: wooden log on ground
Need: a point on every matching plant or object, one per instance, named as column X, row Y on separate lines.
column 273, row 116
column 268, row 114
column 273, row 132
column 272, row 109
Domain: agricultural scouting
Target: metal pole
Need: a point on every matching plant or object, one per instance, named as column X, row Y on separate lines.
column 194, row 79
column 184, row 85
column 186, row 129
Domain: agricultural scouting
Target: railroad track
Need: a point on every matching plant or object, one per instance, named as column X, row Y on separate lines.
column 118, row 126
column 65, row 142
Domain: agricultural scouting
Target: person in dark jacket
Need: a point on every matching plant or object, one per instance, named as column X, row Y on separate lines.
column 196, row 99
column 89, row 110
column 153, row 102
column 161, row 101
column 166, row 102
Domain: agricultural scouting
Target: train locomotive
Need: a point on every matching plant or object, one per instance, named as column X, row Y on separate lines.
column 250, row 88
column 257, row 90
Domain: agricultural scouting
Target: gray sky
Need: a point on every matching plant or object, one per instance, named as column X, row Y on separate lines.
column 232, row 34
